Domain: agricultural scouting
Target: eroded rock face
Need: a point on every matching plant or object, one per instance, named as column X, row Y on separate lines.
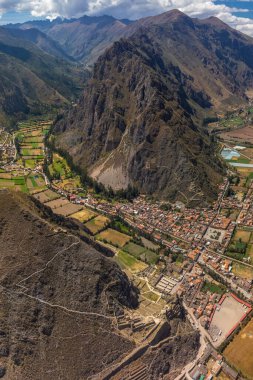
column 139, row 120
column 58, row 297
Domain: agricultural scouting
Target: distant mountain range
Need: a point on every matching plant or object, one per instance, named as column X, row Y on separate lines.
column 82, row 39
column 31, row 79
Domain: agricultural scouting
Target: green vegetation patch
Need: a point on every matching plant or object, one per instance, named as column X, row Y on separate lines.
column 213, row 288
column 127, row 261
column 149, row 257
column 134, row 249
column 141, row 253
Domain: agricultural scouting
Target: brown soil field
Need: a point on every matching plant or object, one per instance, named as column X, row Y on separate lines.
column 243, row 134
column 57, row 203
column 84, row 215
column 67, row 209
column 6, row 175
column 248, row 152
column 114, row 237
column 239, row 352
column 46, row 196
column 242, row 271
column 243, row 235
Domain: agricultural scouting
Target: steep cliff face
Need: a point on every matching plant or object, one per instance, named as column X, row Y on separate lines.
column 139, row 120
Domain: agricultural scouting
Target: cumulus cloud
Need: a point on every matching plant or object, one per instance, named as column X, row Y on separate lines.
column 132, row 9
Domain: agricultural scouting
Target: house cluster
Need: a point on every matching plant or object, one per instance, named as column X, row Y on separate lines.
column 245, row 218
column 212, row 366
column 201, row 301
column 224, row 267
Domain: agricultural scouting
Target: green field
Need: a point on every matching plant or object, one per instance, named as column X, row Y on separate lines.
column 213, row 288
column 141, row 253
column 127, row 261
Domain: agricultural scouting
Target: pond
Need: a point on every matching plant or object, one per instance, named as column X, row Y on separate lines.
column 228, row 153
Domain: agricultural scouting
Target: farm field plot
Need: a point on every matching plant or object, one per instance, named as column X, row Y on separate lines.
column 57, row 203
column 149, row 244
column 242, row 271
column 31, row 163
column 97, row 224
column 67, row 209
column 31, row 152
column 239, row 352
column 31, row 140
column 241, row 135
column 35, row 182
column 16, row 183
column 84, row 215
column 4, row 175
column 141, row 253
column 250, row 250
column 243, row 235
column 46, row 196
column 114, row 237
column 128, row 262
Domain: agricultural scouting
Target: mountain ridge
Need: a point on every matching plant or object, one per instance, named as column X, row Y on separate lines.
column 139, row 120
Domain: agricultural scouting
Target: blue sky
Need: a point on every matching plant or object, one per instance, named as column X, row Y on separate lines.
column 247, row 5
column 239, row 14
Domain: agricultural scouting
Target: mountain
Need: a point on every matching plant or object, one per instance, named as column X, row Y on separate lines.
column 139, row 121
column 55, row 291
column 85, row 38
column 59, row 297
column 32, row 80
column 42, row 41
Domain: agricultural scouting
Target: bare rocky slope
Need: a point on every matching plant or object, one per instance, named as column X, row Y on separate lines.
column 139, row 121
column 59, row 297
column 55, row 295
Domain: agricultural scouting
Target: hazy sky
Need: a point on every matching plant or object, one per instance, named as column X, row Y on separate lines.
column 238, row 13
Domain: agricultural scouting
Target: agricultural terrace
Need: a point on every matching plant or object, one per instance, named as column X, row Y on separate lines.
column 114, row 237
column 239, row 352
column 30, row 142
column 19, row 182
column 227, row 316
column 46, row 196
column 97, row 224
column 62, row 175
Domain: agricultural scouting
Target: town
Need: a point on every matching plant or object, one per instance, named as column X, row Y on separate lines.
column 204, row 255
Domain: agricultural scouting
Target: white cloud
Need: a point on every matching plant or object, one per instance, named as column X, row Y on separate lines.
column 129, row 9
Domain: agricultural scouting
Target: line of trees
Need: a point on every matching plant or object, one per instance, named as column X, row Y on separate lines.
column 130, row 193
